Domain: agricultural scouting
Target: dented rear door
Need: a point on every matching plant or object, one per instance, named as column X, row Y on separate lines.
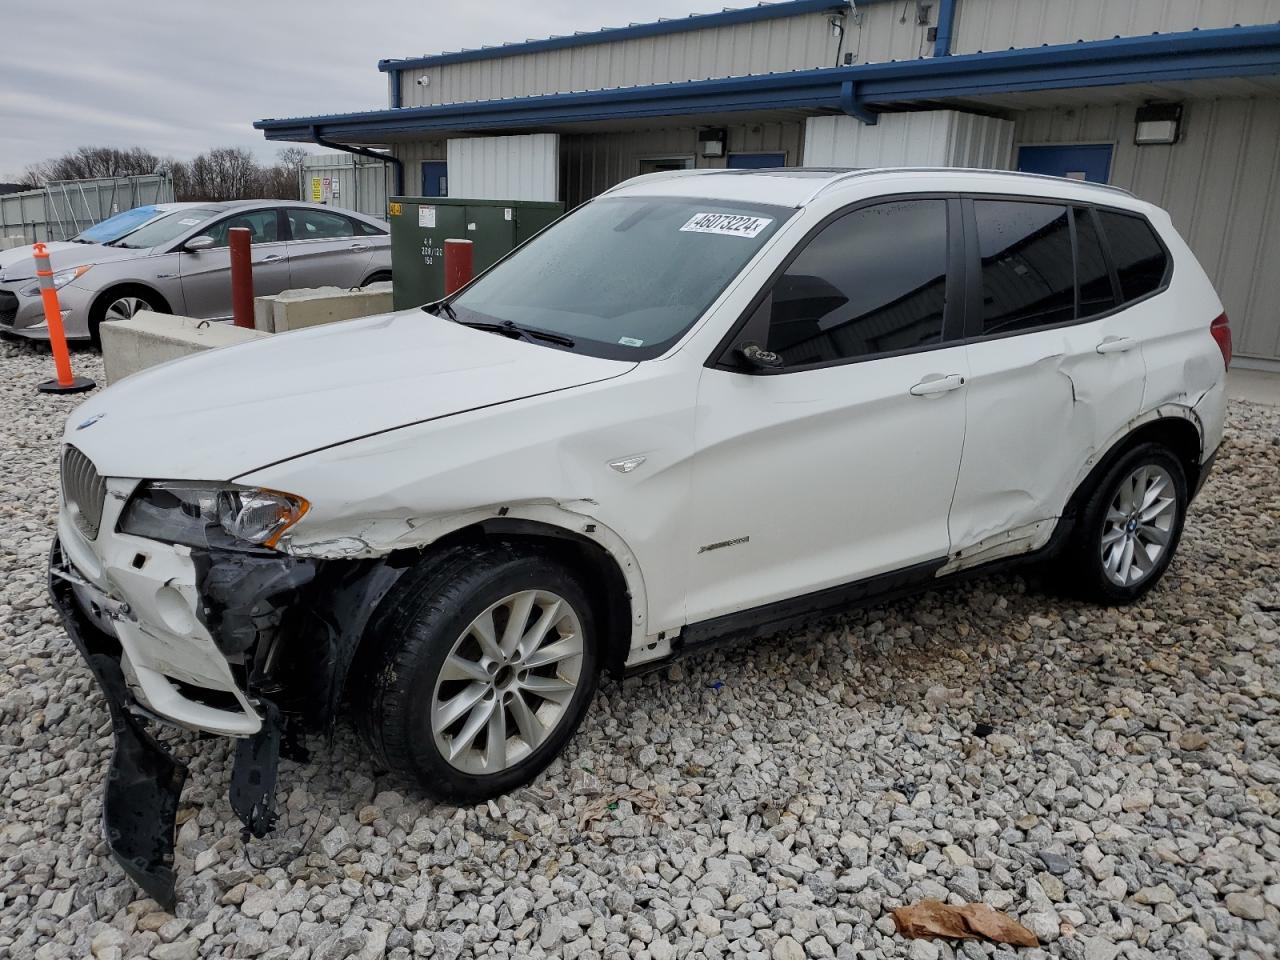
column 1056, row 371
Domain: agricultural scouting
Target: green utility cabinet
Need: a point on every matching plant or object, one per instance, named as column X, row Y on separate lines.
column 421, row 225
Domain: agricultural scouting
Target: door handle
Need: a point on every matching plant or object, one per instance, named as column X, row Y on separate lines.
column 936, row 383
column 359, row 246
column 272, row 258
column 1116, row 344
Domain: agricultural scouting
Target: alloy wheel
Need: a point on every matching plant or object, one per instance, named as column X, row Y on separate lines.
column 508, row 682
column 1139, row 525
column 124, row 308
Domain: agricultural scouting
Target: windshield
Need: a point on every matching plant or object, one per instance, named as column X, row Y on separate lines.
column 623, row 277
column 115, row 227
column 164, row 230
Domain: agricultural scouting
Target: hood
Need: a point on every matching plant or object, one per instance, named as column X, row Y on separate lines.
column 18, row 264
column 224, row 413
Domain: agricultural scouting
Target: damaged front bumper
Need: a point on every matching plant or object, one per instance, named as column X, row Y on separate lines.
column 145, row 781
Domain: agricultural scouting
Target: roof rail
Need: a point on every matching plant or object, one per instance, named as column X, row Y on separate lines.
column 868, row 171
column 663, row 175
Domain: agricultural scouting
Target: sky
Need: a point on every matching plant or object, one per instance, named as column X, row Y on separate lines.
column 181, row 76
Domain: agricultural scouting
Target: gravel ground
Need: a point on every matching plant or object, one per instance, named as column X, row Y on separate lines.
column 1110, row 777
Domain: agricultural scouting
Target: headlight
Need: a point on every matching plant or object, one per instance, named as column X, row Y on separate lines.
column 202, row 514
column 60, row 280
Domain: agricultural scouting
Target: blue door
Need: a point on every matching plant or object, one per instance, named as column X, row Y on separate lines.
column 1090, row 161
column 435, row 178
column 756, row 161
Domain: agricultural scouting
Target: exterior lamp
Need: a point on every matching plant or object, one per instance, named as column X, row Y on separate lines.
column 1157, row 123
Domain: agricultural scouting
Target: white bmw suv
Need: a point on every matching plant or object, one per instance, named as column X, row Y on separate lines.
column 700, row 407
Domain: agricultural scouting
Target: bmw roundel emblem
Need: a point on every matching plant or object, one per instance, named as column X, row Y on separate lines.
column 91, row 421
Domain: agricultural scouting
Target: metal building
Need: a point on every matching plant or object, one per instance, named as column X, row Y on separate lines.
column 1177, row 100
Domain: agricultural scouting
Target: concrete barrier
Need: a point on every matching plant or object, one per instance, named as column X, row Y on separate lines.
column 298, row 309
column 147, row 339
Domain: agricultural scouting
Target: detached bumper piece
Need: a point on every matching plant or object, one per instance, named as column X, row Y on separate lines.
column 145, row 781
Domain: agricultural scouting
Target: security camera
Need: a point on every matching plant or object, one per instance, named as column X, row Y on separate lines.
column 424, row 81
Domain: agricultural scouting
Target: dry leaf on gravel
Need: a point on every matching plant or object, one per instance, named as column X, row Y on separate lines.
column 972, row 921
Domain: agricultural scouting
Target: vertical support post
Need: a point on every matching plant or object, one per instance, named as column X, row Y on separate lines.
column 241, row 277
column 946, row 26
column 66, row 382
column 459, row 264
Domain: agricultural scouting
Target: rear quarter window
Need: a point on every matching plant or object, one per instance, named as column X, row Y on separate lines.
column 1139, row 257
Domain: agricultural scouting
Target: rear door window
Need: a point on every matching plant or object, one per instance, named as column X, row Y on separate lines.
column 1140, row 258
column 1027, row 264
column 872, row 282
column 307, row 224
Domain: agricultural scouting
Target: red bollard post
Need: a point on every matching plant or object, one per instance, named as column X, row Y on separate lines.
column 459, row 264
column 241, row 277
column 66, row 382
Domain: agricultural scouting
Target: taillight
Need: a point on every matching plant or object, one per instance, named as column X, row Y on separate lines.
column 1220, row 330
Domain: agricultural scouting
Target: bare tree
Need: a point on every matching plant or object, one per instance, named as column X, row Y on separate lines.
column 86, row 163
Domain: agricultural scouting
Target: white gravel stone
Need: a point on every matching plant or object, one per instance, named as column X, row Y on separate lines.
column 795, row 790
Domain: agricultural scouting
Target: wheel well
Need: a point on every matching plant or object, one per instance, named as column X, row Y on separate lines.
column 376, row 277
column 1179, row 435
column 602, row 577
column 152, row 296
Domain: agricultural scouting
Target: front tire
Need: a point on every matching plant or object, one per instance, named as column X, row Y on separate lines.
column 483, row 663
column 121, row 303
column 1130, row 526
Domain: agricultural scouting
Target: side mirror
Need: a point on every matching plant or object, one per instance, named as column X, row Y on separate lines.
column 196, row 244
column 755, row 357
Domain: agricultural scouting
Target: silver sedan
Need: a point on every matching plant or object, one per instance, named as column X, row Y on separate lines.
column 180, row 263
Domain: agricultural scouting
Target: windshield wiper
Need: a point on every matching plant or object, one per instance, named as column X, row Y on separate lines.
column 509, row 328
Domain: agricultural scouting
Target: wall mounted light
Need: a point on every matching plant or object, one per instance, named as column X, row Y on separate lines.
column 1157, row 123
column 711, row 142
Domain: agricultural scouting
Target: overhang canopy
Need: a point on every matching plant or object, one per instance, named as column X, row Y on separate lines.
column 857, row 90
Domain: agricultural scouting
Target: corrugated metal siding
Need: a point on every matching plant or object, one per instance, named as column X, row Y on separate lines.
column 505, row 168
column 941, row 138
column 1000, row 24
column 592, row 163
column 1219, row 185
column 362, row 182
column 793, row 43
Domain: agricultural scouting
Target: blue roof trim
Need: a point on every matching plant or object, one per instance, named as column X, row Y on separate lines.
column 1231, row 51
column 703, row 21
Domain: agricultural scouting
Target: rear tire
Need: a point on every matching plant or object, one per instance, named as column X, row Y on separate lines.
column 1129, row 527
column 121, row 303
column 481, row 665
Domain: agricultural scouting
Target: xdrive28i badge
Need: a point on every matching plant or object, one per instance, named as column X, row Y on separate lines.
column 91, row 421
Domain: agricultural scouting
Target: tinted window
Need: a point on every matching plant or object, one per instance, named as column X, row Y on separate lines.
column 317, row 224
column 1096, row 293
column 1028, row 278
column 872, row 282
column 263, row 227
column 368, row 229
column 1139, row 258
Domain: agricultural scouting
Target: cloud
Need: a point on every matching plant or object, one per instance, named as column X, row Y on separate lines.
column 179, row 78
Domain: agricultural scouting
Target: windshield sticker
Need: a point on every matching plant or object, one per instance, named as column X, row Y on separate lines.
column 726, row 224
column 630, row 342
column 189, row 221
